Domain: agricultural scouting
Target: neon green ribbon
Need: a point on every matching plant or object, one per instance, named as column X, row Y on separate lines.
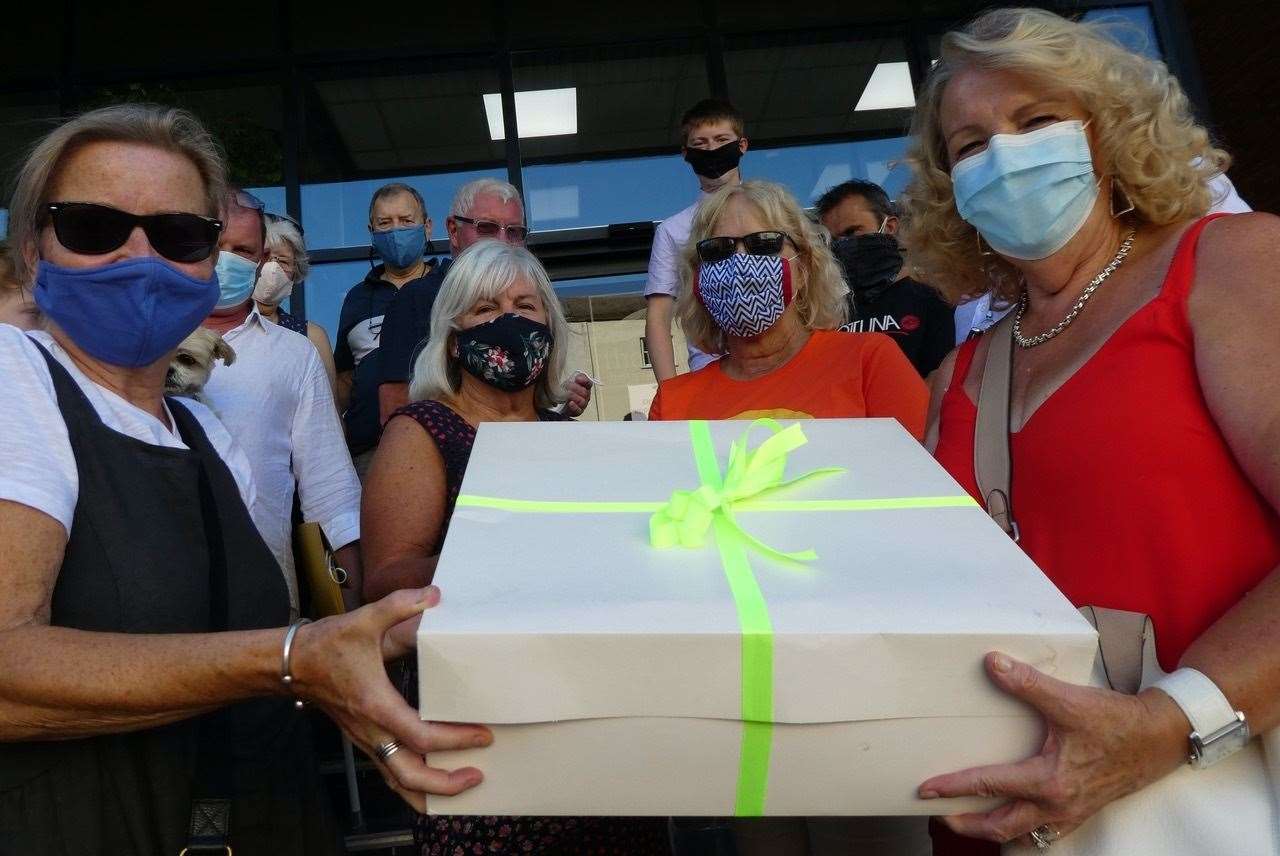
column 747, row 485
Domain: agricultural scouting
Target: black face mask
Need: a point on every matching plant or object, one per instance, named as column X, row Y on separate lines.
column 870, row 261
column 713, row 163
column 510, row 352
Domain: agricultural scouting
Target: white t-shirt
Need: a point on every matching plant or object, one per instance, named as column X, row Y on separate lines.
column 664, row 266
column 37, row 467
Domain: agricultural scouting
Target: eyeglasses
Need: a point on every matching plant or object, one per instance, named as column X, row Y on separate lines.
column 490, row 229
column 93, row 230
column 757, row 244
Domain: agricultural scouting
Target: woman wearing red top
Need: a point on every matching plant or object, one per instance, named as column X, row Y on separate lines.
column 1145, row 404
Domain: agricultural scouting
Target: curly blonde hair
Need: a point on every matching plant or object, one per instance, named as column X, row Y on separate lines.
column 820, row 302
column 1145, row 138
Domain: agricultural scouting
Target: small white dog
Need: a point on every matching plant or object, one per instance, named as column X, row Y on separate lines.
column 190, row 368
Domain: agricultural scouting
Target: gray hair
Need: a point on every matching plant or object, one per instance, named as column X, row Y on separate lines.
column 395, row 188
column 282, row 231
column 483, row 271
column 166, row 128
column 465, row 199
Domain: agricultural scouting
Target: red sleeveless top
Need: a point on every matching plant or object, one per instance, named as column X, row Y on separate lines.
column 1125, row 492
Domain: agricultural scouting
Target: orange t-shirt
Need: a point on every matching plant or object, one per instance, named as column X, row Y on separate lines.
column 834, row 376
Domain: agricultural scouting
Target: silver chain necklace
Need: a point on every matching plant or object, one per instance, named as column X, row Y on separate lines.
column 1041, row 338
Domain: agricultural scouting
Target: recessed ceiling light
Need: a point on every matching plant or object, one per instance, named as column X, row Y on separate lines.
column 539, row 113
column 888, row 89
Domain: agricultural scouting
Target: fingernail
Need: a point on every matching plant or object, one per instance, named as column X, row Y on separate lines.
column 1001, row 663
column 481, row 740
column 928, row 794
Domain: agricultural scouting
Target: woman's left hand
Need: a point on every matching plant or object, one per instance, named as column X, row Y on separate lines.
column 579, row 392
column 1100, row 745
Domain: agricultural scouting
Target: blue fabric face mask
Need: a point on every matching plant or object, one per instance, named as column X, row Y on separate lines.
column 1028, row 194
column 236, row 278
column 400, row 248
column 130, row 313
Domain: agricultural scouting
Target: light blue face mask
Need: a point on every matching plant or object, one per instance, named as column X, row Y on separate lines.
column 401, row 248
column 236, row 278
column 1028, row 194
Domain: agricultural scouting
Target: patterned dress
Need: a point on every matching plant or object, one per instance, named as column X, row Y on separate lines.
column 441, row 835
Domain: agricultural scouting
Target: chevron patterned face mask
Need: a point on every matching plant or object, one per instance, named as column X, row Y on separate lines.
column 745, row 294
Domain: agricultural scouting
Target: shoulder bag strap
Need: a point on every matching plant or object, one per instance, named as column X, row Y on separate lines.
column 992, row 463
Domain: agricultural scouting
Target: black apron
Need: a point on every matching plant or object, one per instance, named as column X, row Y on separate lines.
column 138, row 561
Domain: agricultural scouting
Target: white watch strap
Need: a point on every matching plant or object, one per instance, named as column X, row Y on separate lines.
column 1200, row 699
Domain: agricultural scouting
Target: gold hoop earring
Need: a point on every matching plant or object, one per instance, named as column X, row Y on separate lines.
column 1117, row 189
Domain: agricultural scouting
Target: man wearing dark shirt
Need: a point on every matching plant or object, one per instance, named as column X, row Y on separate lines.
column 882, row 298
column 398, row 230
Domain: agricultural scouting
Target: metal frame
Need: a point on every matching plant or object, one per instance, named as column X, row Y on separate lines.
column 575, row 252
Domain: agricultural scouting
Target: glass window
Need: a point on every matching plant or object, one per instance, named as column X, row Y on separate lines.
column 790, row 86
column 619, row 101
column 428, row 130
column 809, row 171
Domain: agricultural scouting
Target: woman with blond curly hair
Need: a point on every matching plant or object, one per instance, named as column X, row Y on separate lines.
column 1140, row 379
column 761, row 287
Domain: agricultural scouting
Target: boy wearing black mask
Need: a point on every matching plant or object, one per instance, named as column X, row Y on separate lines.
column 713, row 144
column 882, row 298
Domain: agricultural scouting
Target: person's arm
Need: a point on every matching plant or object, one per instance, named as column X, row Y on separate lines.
column 399, row 536
column 657, row 336
column 328, row 489
column 57, row 683
column 391, row 397
column 1102, row 745
column 401, row 332
column 891, row 386
column 344, row 361
column 320, row 339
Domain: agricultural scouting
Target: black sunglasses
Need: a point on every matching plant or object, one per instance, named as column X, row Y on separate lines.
column 91, row 229
column 757, row 244
column 490, row 229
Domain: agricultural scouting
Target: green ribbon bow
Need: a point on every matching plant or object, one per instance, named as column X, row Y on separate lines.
column 749, row 483
column 688, row 515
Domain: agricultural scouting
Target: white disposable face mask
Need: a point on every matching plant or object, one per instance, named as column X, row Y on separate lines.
column 274, row 285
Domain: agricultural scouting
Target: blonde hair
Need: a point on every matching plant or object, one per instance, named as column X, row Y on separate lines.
column 1144, row 138
column 482, row 272
column 820, row 303
column 282, row 231
column 166, row 128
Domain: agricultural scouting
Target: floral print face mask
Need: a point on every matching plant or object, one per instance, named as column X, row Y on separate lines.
column 510, row 352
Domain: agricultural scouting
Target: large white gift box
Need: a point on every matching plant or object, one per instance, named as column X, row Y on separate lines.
column 622, row 678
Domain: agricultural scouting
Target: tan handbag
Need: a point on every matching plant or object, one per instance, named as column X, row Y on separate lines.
column 319, row 571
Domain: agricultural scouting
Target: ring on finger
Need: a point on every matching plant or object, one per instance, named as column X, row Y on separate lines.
column 386, row 750
column 1044, row 835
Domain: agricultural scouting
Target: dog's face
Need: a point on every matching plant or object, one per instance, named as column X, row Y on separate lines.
column 191, row 366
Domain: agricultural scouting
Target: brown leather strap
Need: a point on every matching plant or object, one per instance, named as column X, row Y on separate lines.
column 992, row 464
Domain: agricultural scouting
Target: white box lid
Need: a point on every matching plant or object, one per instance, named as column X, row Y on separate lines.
column 547, row 617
